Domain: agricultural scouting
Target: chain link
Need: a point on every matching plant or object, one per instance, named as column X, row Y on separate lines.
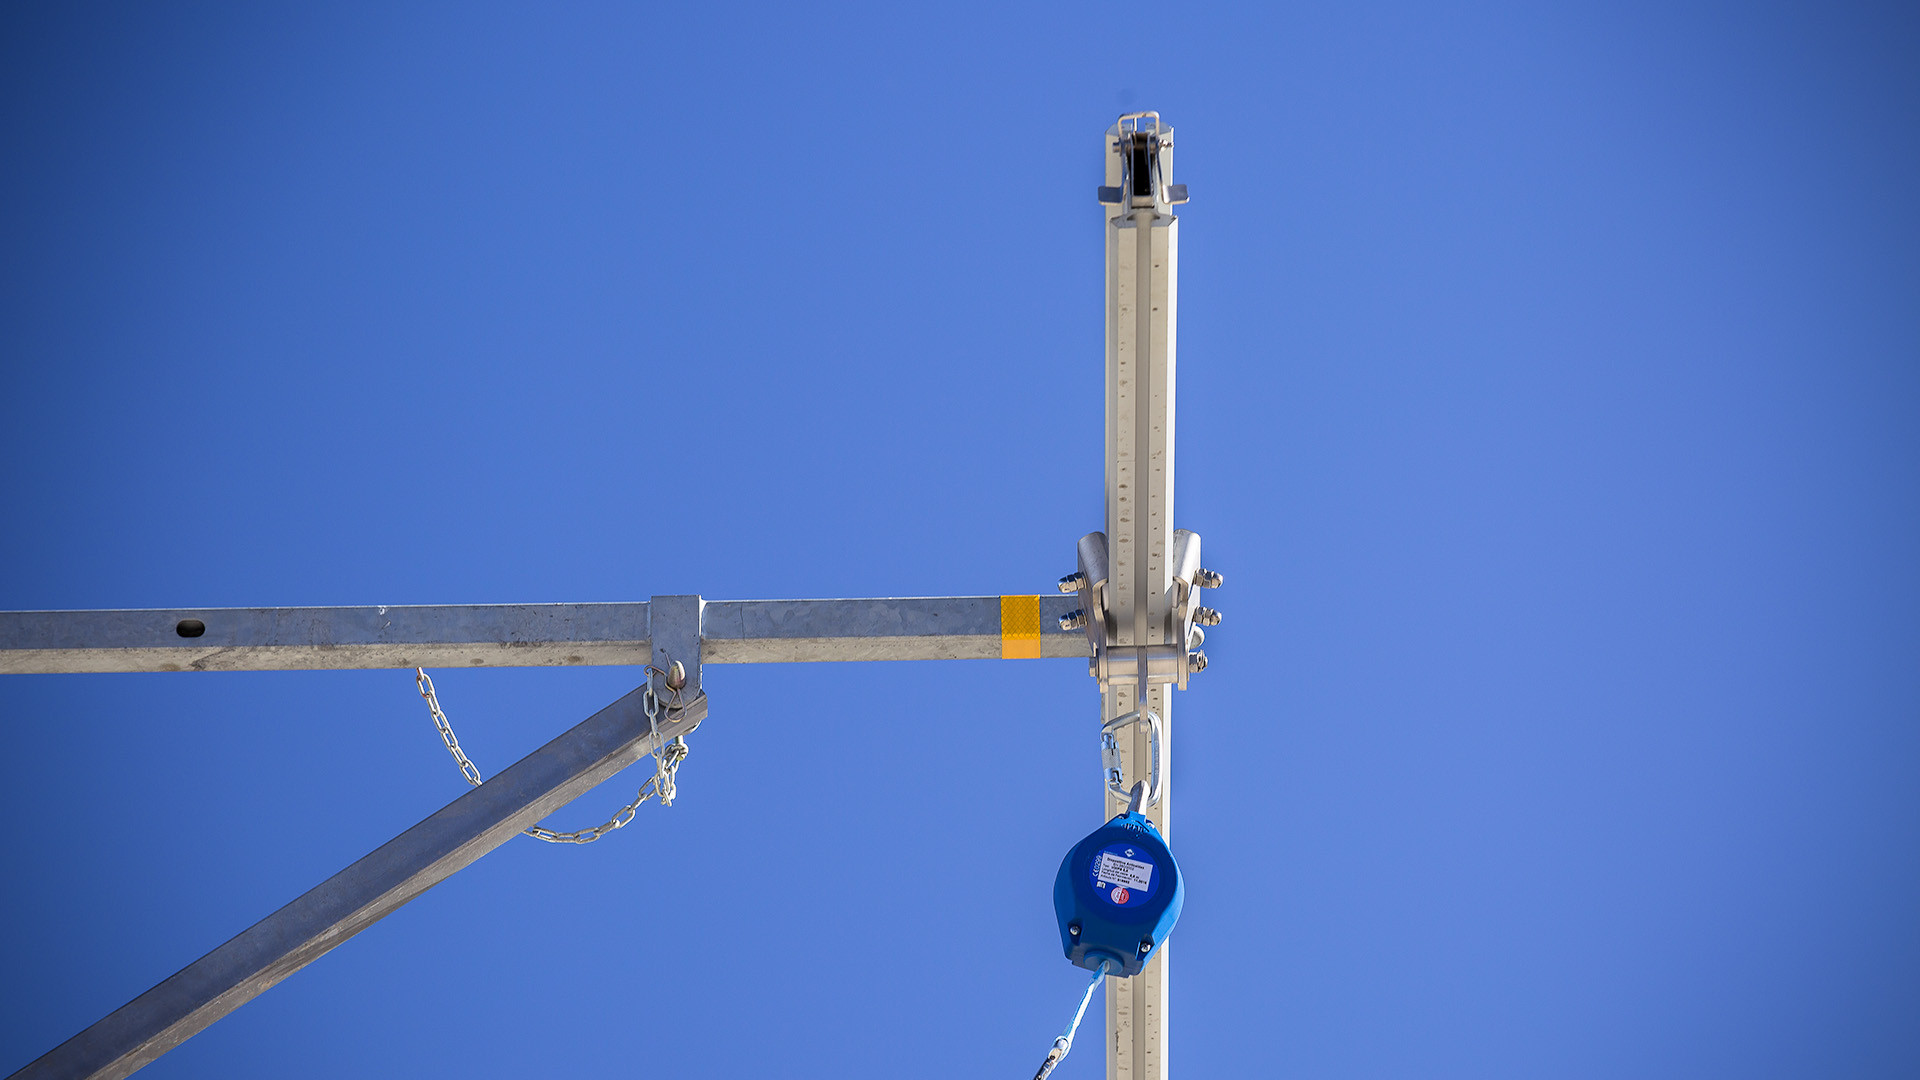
column 666, row 762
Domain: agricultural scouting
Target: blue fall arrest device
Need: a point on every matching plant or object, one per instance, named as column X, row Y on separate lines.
column 1117, row 896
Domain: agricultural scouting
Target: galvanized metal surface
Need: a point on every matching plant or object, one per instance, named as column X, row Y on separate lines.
column 915, row 628
column 355, row 898
column 512, row 635
column 674, row 624
column 281, row 639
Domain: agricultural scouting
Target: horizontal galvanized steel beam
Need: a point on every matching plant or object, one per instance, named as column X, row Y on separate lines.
column 282, row 639
column 357, row 897
column 910, row 628
column 526, row 635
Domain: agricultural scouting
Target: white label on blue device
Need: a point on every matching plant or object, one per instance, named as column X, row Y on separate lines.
column 1119, row 870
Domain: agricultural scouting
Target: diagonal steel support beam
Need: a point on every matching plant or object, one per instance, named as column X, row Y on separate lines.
column 362, row 894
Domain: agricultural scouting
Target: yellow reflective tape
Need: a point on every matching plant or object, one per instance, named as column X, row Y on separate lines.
column 1020, row 627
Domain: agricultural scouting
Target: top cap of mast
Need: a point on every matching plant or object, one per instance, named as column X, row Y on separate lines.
column 1140, row 169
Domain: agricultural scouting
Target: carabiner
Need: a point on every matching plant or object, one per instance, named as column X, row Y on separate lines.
column 1110, row 753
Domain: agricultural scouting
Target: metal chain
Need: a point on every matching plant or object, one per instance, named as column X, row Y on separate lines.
column 666, row 762
column 667, row 758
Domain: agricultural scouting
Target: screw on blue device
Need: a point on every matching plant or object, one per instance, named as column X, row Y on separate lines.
column 1119, row 891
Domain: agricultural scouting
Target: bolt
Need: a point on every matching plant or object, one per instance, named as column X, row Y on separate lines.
column 1196, row 662
column 1073, row 582
column 1074, row 929
column 1206, row 616
column 1207, row 579
column 1073, row 620
column 1146, row 945
column 1197, row 638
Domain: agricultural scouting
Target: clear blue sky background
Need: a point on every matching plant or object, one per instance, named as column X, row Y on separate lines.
column 1549, row 387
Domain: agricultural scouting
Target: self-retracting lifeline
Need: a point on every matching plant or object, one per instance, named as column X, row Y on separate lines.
column 1119, row 890
column 1064, row 1044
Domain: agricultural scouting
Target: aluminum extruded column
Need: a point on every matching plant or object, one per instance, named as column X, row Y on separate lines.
column 357, row 897
column 1142, row 264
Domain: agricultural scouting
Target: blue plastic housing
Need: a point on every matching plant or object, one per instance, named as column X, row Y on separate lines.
column 1118, row 895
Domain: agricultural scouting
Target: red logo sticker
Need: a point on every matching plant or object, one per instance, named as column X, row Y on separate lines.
column 1120, row 894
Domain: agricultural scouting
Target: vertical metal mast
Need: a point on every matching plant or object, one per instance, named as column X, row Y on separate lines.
column 1139, row 581
column 1143, row 241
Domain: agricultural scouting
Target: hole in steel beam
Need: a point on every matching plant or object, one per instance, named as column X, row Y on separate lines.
column 190, row 628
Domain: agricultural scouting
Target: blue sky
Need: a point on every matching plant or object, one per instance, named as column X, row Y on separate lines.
column 1548, row 397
